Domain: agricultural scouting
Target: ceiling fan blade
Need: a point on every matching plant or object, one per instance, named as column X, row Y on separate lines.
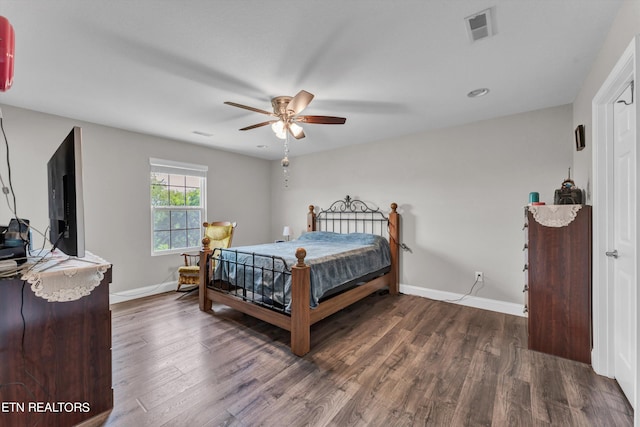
column 299, row 102
column 257, row 110
column 259, row 125
column 322, row 120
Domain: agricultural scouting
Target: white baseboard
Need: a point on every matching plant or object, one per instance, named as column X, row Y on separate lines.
column 469, row 301
column 116, row 297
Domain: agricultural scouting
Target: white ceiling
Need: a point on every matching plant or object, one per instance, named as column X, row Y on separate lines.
column 391, row 67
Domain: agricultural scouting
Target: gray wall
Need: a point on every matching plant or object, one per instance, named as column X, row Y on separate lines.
column 461, row 192
column 116, row 190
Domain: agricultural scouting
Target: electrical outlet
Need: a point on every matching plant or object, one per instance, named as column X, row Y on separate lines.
column 479, row 276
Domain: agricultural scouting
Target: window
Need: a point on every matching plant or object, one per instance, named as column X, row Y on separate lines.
column 178, row 206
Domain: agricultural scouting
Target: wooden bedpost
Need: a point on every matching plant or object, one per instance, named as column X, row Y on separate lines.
column 394, row 243
column 205, row 254
column 300, row 309
column 311, row 219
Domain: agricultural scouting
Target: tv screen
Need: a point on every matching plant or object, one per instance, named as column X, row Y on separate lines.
column 66, row 208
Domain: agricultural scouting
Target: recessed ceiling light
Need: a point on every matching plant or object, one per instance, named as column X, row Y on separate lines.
column 478, row 92
column 206, row 134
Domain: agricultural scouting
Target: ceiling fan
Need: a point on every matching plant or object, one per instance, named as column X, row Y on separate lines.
column 286, row 111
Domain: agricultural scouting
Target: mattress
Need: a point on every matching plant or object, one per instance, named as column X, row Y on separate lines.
column 264, row 271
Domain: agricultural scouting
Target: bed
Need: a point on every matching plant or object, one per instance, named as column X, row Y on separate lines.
column 350, row 251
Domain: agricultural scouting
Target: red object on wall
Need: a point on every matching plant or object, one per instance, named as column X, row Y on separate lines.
column 7, row 47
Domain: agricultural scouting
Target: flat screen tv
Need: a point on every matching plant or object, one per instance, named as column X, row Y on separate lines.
column 66, row 207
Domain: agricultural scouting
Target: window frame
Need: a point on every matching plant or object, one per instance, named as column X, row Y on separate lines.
column 177, row 168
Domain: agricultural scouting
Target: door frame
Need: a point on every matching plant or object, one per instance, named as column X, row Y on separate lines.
column 622, row 74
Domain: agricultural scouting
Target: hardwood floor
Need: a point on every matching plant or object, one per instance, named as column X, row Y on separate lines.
column 386, row 361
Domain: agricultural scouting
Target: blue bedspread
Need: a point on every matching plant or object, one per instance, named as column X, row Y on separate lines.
column 335, row 259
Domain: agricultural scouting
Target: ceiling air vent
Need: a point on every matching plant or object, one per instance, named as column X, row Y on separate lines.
column 480, row 25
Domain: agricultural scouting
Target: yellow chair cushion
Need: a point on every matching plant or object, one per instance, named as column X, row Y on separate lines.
column 219, row 235
column 193, row 269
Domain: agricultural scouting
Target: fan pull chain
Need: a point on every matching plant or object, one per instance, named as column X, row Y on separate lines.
column 285, row 161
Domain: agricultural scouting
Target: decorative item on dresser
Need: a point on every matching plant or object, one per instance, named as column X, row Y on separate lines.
column 558, row 280
column 568, row 193
column 267, row 282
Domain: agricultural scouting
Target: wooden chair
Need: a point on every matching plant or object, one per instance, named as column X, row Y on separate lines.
column 218, row 234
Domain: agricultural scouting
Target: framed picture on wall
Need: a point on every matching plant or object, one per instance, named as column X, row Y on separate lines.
column 579, row 133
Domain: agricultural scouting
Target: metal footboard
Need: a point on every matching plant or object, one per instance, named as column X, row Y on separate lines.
column 256, row 278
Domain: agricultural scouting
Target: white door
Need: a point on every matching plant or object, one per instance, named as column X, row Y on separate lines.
column 624, row 230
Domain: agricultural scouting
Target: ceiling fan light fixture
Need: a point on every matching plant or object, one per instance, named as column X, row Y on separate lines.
column 296, row 129
column 279, row 129
column 286, row 110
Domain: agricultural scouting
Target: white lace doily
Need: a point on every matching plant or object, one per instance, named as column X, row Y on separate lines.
column 555, row 215
column 58, row 278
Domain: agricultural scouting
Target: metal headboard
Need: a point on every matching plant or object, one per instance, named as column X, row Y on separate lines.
column 352, row 216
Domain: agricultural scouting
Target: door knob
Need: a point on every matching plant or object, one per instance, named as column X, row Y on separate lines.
column 613, row 254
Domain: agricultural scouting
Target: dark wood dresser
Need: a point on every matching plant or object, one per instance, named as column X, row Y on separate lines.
column 55, row 365
column 558, row 284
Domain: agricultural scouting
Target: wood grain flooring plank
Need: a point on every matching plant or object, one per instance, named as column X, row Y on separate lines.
column 435, row 413
column 370, row 371
column 484, row 366
column 548, row 394
column 404, row 396
column 362, row 409
column 554, row 414
column 440, row 317
column 130, row 366
column 162, row 393
column 222, row 419
column 616, row 403
column 365, row 339
column 205, row 399
column 515, row 331
column 143, row 382
column 622, row 418
column 491, row 338
column 474, row 407
column 170, row 408
column 515, row 362
column 277, row 386
column 316, row 408
column 512, row 404
column 477, row 396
